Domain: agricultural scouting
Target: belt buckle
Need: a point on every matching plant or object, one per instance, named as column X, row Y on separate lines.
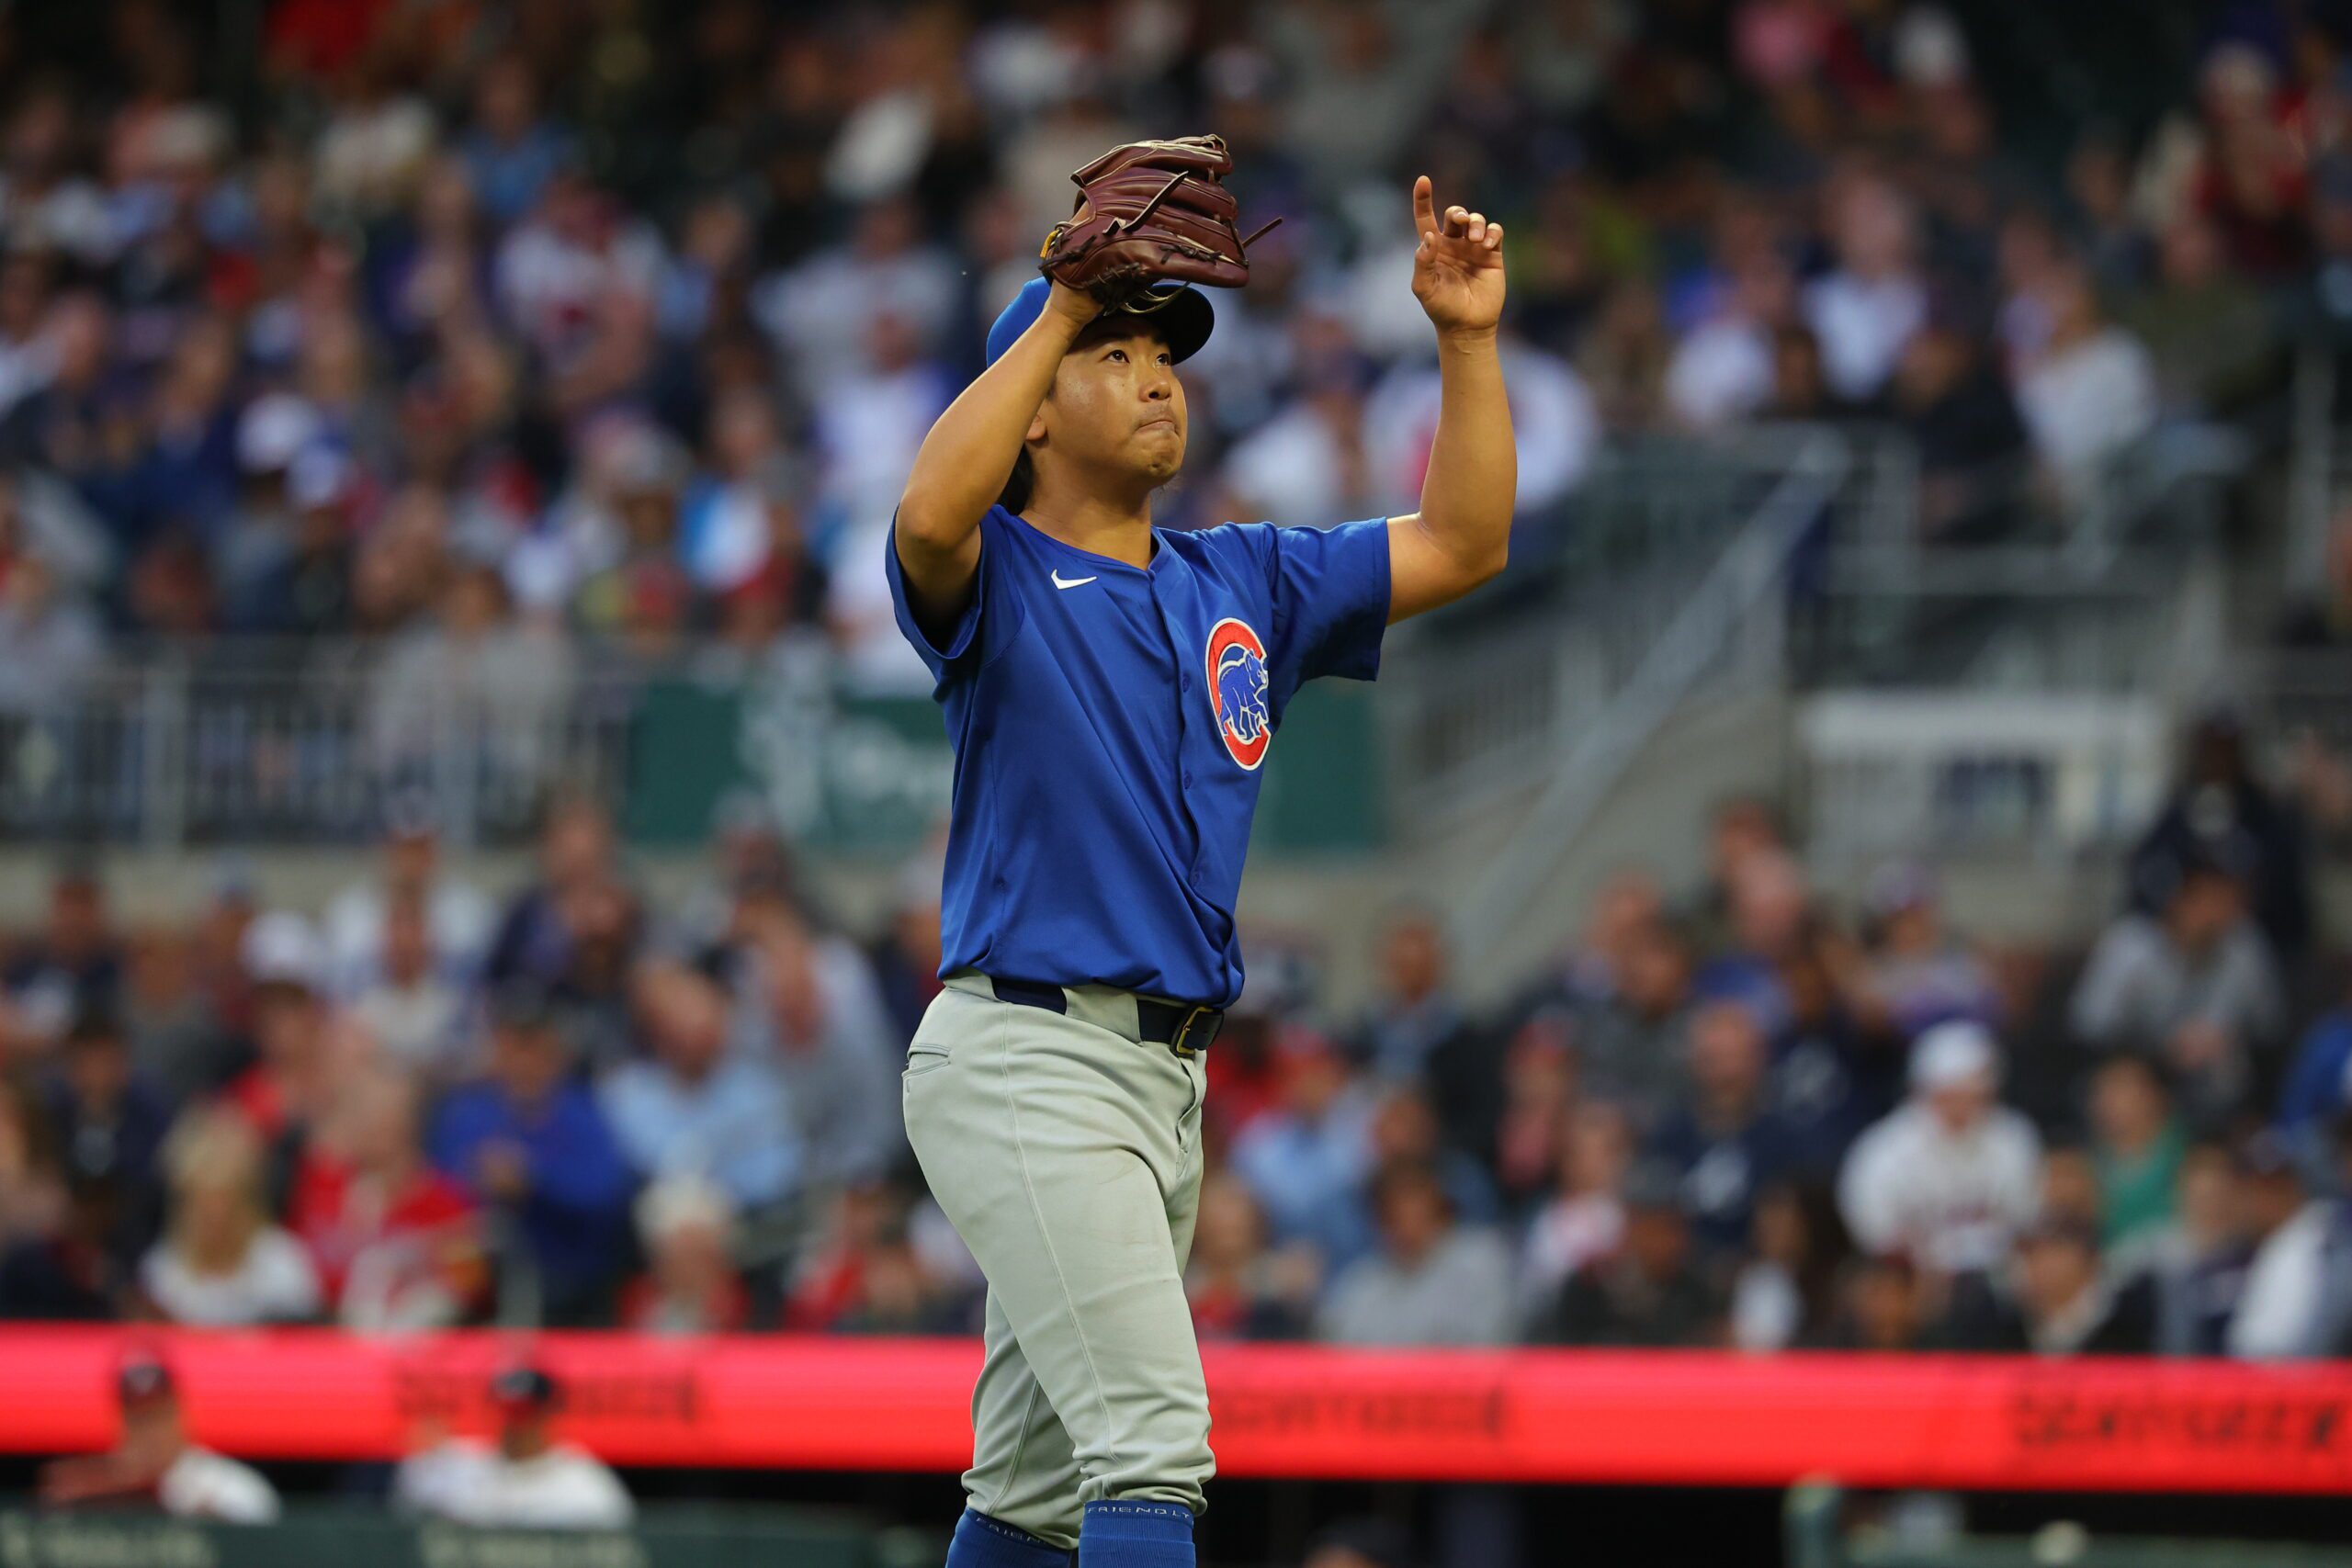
column 1183, row 1045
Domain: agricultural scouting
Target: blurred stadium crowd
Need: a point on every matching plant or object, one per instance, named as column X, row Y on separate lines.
column 491, row 334
column 472, row 325
column 1747, row 1115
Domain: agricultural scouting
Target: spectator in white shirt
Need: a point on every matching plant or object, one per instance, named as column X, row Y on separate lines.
column 412, row 1013
column 822, row 311
column 1721, row 370
column 2092, row 389
column 1866, row 310
column 1585, row 1221
column 1312, row 462
column 459, row 917
column 1952, row 1175
column 1555, row 422
column 526, row 1480
column 875, row 415
column 154, row 1460
column 2297, row 1298
column 577, row 262
column 221, row 1263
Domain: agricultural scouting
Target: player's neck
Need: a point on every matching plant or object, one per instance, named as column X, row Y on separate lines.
column 1113, row 525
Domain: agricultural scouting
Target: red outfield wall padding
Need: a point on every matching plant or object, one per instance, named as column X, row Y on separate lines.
column 1673, row 1417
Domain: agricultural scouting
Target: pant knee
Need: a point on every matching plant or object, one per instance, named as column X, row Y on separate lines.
column 1175, row 1474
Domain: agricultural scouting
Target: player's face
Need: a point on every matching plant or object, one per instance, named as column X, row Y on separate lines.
column 1117, row 404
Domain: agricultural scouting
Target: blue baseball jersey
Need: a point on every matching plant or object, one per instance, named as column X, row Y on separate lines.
column 1109, row 725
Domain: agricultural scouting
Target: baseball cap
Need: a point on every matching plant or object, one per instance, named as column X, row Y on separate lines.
column 680, row 1201
column 1182, row 314
column 273, row 430
column 280, row 949
column 1953, row 1053
column 524, row 1387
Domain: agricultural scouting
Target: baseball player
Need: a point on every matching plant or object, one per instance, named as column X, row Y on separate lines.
column 1112, row 690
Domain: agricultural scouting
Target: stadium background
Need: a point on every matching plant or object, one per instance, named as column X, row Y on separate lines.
column 434, row 435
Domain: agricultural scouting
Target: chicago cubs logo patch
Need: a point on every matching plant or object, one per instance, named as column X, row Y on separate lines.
column 1238, row 687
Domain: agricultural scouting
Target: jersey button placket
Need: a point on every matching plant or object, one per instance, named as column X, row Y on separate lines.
column 1185, row 723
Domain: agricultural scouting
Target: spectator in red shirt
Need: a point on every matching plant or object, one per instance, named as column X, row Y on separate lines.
column 865, row 1276
column 285, row 1084
column 395, row 1242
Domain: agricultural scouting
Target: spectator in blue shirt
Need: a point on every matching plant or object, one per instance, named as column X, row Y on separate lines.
column 1307, row 1161
column 2318, row 1088
column 694, row 1110
column 512, row 151
column 531, row 1144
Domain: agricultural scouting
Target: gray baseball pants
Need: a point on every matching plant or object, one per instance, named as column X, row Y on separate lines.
column 1067, row 1152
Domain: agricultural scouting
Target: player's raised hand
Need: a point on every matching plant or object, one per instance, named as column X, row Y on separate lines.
column 1458, row 266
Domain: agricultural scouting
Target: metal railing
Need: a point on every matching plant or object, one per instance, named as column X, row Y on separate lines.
column 1482, row 707
column 1919, row 772
column 2088, row 596
column 229, row 743
column 1730, row 621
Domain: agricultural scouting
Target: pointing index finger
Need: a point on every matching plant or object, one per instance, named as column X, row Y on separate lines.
column 1424, row 205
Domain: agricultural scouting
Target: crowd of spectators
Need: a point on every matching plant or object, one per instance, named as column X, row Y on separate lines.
column 497, row 331
column 484, row 339
column 1753, row 1113
column 490, row 333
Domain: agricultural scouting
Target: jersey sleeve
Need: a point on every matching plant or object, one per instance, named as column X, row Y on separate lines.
column 990, row 616
column 1329, row 588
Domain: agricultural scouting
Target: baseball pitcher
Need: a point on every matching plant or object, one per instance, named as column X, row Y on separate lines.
column 1112, row 690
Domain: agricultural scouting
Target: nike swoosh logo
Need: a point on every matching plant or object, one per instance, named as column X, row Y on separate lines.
column 1061, row 581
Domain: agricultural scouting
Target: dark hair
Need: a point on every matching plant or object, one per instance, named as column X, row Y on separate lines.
column 1020, row 484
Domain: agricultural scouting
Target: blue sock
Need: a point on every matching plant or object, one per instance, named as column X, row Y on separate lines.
column 983, row 1543
column 1118, row 1534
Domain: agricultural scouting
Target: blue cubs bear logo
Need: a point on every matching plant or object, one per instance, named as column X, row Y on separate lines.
column 1242, row 694
column 1236, row 674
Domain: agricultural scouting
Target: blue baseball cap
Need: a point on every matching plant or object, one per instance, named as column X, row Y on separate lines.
column 1182, row 315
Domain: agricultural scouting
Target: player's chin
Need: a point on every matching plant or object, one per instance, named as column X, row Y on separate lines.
column 1159, row 450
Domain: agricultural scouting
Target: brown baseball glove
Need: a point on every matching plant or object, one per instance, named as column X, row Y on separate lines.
column 1151, row 212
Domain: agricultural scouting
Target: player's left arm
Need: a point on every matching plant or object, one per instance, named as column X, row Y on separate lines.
column 1461, row 536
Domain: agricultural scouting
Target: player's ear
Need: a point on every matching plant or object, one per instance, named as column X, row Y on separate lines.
column 1036, row 430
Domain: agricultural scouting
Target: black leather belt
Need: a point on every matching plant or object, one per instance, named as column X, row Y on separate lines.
column 1185, row 1028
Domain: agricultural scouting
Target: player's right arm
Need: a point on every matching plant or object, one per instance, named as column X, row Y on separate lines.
column 962, row 465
